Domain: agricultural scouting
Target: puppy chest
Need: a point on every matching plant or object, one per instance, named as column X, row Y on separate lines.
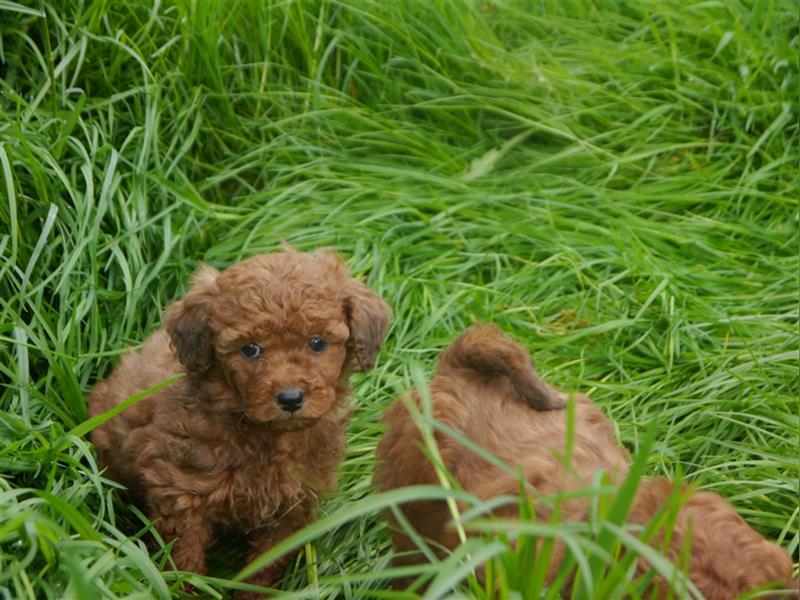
column 254, row 494
column 247, row 485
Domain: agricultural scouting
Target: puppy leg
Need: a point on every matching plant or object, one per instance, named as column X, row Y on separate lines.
column 484, row 350
column 192, row 535
column 728, row 557
column 261, row 540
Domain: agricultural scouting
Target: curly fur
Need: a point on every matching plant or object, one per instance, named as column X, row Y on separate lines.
column 215, row 450
column 486, row 389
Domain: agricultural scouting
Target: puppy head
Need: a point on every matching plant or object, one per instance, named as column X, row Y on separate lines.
column 281, row 331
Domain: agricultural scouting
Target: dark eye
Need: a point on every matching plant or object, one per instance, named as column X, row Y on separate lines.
column 251, row 351
column 317, row 344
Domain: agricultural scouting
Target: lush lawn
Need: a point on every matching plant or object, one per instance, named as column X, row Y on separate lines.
column 615, row 184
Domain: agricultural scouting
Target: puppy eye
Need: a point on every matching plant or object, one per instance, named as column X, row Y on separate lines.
column 251, row 351
column 317, row 344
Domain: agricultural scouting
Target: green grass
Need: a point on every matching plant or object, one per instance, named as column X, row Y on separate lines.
column 613, row 183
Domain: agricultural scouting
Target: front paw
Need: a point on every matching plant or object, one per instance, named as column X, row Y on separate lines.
column 267, row 577
column 248, row 595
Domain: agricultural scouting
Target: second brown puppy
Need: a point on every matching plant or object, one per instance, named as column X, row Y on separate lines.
column 486, row 389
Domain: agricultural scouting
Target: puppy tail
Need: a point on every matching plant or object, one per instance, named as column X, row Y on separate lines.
column 484, row 350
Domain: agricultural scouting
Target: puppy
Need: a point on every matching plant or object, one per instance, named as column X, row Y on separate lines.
column 486, row 389
column 253, row 434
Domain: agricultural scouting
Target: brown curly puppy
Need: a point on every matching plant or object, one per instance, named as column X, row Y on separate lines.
column 486, row 389
column 252, row 436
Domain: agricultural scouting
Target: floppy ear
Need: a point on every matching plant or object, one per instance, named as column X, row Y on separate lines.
column 368, row 318
column 187, row 322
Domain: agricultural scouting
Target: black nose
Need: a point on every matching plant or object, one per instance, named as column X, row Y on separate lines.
column 290, row 400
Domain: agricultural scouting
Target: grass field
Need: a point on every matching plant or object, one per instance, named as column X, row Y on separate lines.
column 613, row 183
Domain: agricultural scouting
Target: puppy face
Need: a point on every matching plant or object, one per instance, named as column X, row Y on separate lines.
column 286, row 374
column 282, row 329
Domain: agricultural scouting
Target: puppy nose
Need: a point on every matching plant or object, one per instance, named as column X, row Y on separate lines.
column 290, row 400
